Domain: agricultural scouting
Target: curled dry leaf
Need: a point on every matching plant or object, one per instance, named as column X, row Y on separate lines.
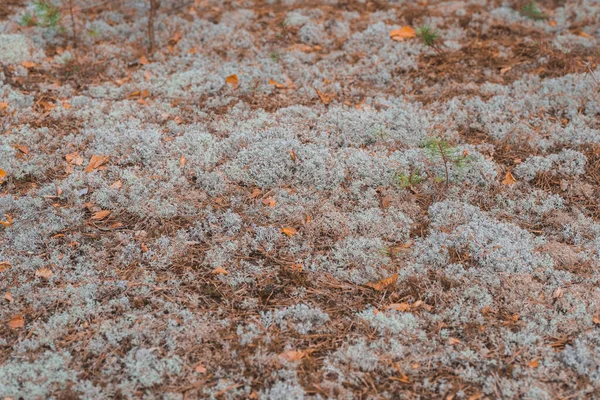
column 8, row 222
column 96, row 162
column 233, row 80
column 325, row 97
column 8, row 297
column 293, row 355
column 23, row 149
column 276, row 84
column 220, row 271
column 399, row 306
column 289, row 231
column 509, row 179
column 2, row 175
column 43, row 272
column 4, row 265
column 16, row 322
column 405, row 32
column 74, row 158
column 100, row 215
column 28, row 64
column 384, row 283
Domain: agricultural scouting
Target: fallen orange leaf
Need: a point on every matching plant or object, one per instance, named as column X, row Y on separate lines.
column 3, row 105
column 534, row 364
column 585, row 35
column 96, row 162
column 16, row 322
column 293, row 355
column 8, row 297
column 596, row 319
column 452, row 341
column 276, row 84
column 144, row 60
column 22, row 149
column 8, row 222
column 325, row 97
column 269, row 201
column 293, row 155
column 399, row 306
column 4, row 265
column 2, row 175
column 182, row 161
column 200, row 369
column 384, row 283
column 100, row 215
column 405, row 32
column 44, row 272
column 28, row 64
column 220, row 270
column 233, row 80
column 74, row 158
column 509, row 179
column 117, row 185
column 289, row 231
column 175, row 38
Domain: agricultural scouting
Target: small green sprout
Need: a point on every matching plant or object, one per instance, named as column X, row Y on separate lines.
column 428, row 35
column 532, row 10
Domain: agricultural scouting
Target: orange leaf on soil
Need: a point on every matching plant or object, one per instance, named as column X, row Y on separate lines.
column 2, row 175
column 534, row 364
column 452, row 341
column 596, row 319
column 22, row 149
column 28, row 64
column 293, row 355
column 182, row 161
column 44, row 272
column 293, row 155
column 74, row 158
column 3, row 105
column 289, row 231
column 100, row 215
column 220, row 270
column 384, row 283
column 509, row 179
column 233, row 80
column 269, row 201
column 255, row 193
column 8, row 297
column 200, row 369
column 399, row 306
column 117, row 185
column 325, row 97
column 585, row 35
column 405, row 32
column 16, row 322
column 96, row 162
column 4, row 265
column 143, row 60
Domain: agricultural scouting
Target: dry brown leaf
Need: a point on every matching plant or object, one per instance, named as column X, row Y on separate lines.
column 182, row 161
column 255, row 193
column 2, row 175
column 220, row 270
column 276, row 84
column 3, row 105
column 399, row 306
column 297, row 267
column 22, row 149
column 269, row 201
column 509, row 179
column 95, row 163
column 143, row 60
column 66, row 105
column 175, row 38
column 117, row 185
column 452, row 341
column 405, row 32
column 293, row 155
column 596, row 319
column 585, row 35
column 233, row 80
column 293, row 355
column 74, row 158
column 47, row 106
column 100, row 215
column 8, row 222
column 558, row 293
column 325, row 97
column 534, row 364
column 200, row 369
column 4, row 265
column 384, row 283
column 289, row 231
column 8, row 297
column 43, row 272
column 16, row 322
column 28, row 64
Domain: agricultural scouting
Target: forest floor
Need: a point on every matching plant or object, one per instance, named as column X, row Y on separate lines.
column 297, row 199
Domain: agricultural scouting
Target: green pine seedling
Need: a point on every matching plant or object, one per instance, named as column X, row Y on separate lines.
column 428, row 35
column 440, row 150
column 532, row 10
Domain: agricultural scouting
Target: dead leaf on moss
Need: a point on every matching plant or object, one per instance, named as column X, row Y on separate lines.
column 399, row 306
column 182, row 161
column 325, row 97
column 28, row 64
column 23, row 149
column 3, row 105
column 117, row 185
column 220, row 271
column 43, row 272
column 596, row 319
column 534, row 364
column 406, row 32
column 143, row 60
column 175, row 38
column 8, row 222
column 16, row 322
column 452, row 341
column 276, row 84
column 293, row 155
column 200, row 369
column 509, row 179
column 2, row 175
column 233, row 80
column 384, row 283
column 95, row 163
column 74, row 158
column 100, row 215
column 269, row 201
column 8, row 297
column 289, row 231
column 293, row 355
column 4, row 265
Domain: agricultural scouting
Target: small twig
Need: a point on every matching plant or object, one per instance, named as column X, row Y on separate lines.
column 154, row 6
column 73, row 26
